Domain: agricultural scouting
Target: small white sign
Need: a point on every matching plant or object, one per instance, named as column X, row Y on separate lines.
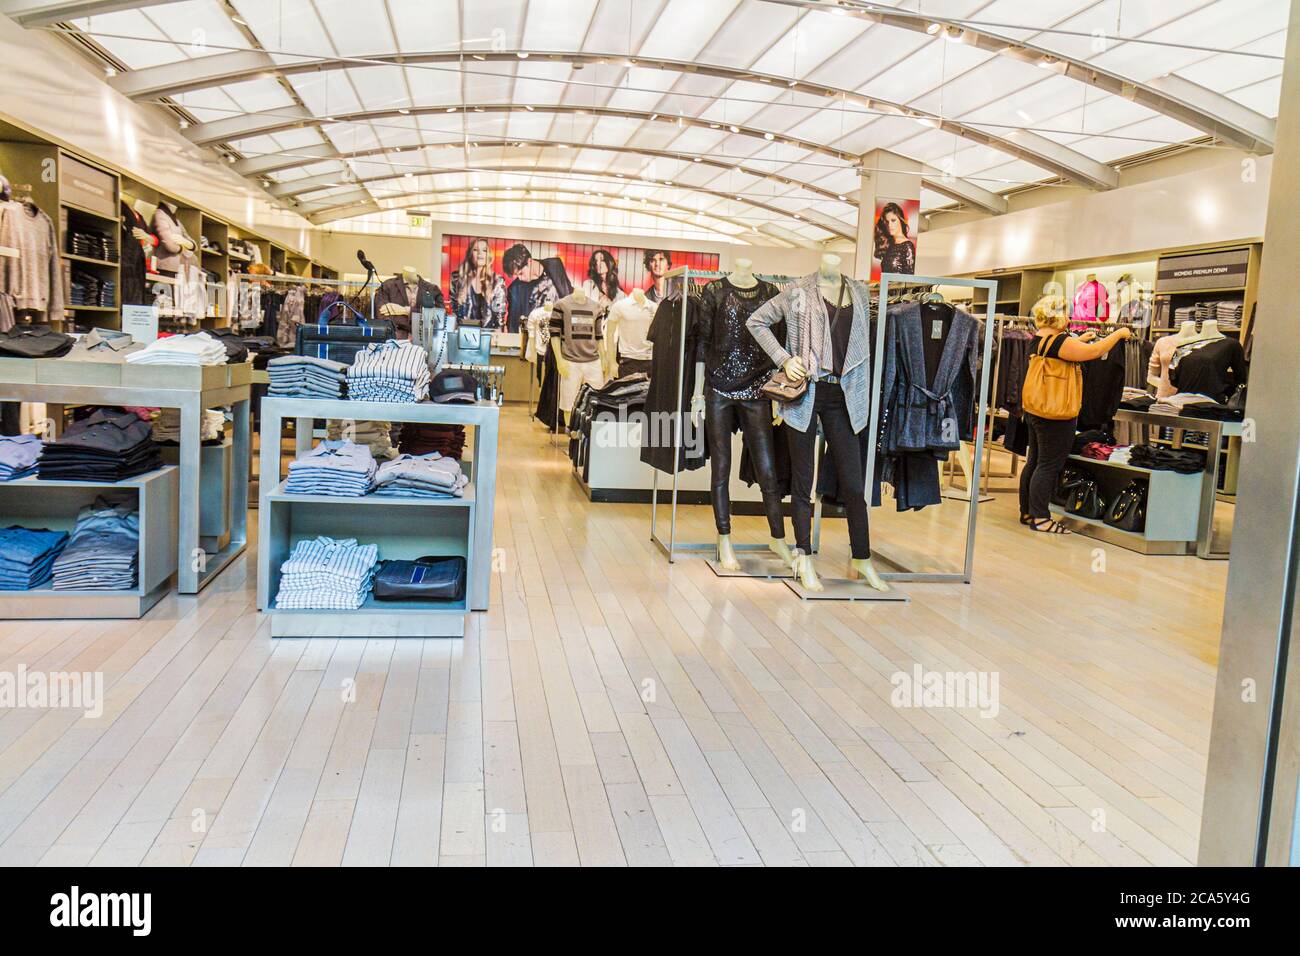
column 141, row 321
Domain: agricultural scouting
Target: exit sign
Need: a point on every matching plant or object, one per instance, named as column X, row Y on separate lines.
column 418, row 218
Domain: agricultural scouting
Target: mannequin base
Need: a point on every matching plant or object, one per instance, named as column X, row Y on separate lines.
column 843, row 589
column 754, row 565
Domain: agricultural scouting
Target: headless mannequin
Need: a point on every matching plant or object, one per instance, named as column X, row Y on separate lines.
column 145, row 210
column 1209, row 330
column 187, row 243
column 561, row 363
column 410, row 277
column 829, row 283
column 609, row 346
column 742, row 277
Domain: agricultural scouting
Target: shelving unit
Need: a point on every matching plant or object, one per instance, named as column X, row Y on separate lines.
column 1172, row 507
column 32, row 503
column 1018, row 290
column 1184, row 279
column 189, row 389
column 403, row 528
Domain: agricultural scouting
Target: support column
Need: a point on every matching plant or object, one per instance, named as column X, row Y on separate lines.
column 1249, row 813
column 886, row 176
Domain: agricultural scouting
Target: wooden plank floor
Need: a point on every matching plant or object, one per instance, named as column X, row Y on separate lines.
column 612, row 709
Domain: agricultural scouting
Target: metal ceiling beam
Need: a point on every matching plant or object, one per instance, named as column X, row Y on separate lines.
column 348, row 212
column 300, row 187
column 162, row 81
column 785, row 235
column 44, row 13
column 963, row 190
column 1211, row 113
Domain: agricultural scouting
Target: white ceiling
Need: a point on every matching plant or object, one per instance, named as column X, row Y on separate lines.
column 492, row 103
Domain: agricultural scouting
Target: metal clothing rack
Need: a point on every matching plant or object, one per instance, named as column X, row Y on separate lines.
column 241, row 279
column 672, row 548
column 982, row 405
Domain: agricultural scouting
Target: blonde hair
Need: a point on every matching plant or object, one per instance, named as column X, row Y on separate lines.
column 1051, row 312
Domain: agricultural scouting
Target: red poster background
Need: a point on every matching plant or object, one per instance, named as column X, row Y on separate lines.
column 575, row 256
column 912, row 212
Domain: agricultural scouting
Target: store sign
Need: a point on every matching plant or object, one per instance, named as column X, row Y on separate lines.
column 1203, row 271
column 141, row 322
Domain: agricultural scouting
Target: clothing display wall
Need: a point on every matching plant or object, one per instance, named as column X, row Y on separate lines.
column 31, row 283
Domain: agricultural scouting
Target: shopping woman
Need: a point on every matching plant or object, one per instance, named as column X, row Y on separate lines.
column 1050, row 439
column 601, row 283
column 478, row 294
column 892, row 245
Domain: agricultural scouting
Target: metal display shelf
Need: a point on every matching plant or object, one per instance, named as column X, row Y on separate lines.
column 1217, row 431
column 33, row 503
column 1171, row 510
column 403, row 528
column 189, row 389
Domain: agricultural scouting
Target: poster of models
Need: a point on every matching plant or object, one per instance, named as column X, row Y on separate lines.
column 495, row 282
column 894, row 238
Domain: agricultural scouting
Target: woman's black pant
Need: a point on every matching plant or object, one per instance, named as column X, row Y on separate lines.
column 754, row 416
column 828, row 405
column 1049, row 449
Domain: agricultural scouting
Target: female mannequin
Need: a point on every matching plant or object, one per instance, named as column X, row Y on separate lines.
column 736, row 368
column 826, row 318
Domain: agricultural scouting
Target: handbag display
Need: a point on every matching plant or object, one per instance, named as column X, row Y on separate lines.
column 1128, row 511
column 340, row 333
column 1053, row 387
column 1086, row 500
column 1065, row 485
column 780, row 388
column 424, row 579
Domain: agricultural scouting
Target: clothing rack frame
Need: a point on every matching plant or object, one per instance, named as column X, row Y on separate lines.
column 672, row 548
column 982, row 408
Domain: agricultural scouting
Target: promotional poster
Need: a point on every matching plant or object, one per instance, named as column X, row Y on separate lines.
column 893, row 247
column 495, row 282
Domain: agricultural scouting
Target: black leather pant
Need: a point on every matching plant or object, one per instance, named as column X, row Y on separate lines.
column 721, row 415
column 828, row 405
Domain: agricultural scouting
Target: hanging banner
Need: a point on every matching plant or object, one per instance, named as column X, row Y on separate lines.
column 893, row 240
column 496, row 282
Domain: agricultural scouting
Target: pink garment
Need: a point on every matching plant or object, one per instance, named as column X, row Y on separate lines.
column 1091, row 302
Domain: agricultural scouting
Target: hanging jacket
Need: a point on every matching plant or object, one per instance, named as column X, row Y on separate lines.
column 921, row 415
column 171, row 241
column 802, row 309
column 394, row 290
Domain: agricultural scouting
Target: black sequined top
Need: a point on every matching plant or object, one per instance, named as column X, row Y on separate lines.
column 735, row 365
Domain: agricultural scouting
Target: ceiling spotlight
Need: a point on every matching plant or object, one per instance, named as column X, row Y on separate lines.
column 714, row 125
column 529, row 108
column 954, row 34
column 404, row 112
column 562, row 145
column 522, row 55
column 110, row 71
column 734, row 129
column 697, row 160
column 185, row 124
column 842, row 198
column 479, row 56
column 450, row 109
column 933, row 28
column 1047, row 61
column 230, row 158
column 653, row 117
column 769, row 136
column 240, row 20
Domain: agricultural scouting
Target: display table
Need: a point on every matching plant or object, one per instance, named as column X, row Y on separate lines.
column 1180, row 508
column 403, row 528
column 188, row 389
column 33, row 503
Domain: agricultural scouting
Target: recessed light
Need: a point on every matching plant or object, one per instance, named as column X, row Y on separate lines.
column 697, row 160
column 933, row 28
column 450, row 109
column 185, row 124
column 735, row 129
column 110, row 71
column 240, row 20
column 653, row 117
column 479, row 56
column 769, row 136
column 563, row 145
column 404, row 112
column 522, row 55
column 842, row 198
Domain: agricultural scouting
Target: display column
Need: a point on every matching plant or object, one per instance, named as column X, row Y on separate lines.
column 886, row 177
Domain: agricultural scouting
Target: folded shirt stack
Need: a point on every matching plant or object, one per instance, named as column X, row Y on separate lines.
column 197, row 349
column 327, row 573
column 302, row 376
column 167, row 427
column 107, row 446
column 1121, row 455
column 377, row 436
column 1184, row 461
column 103, row 552
column 420, row 439
column 338, row 468
column 421, row 476
column 26, row 555
column 18, row 456
column 389, row 371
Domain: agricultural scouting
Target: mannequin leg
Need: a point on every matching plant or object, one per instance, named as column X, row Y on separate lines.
column 756, row 424
column 803, row 449
column 720, row 417
column 846, row 450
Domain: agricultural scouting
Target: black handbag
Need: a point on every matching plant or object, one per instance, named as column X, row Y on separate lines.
column 1128, row 511
column 340, row 333
column 424, row 579
column 1086, row 500
column 1065, row 485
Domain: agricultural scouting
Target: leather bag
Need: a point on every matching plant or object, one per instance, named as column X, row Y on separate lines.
column 340, row 333
column 1086, row 500
column 1128, row 511
column 780, row 388
column 425, row 579
column 1053, row 387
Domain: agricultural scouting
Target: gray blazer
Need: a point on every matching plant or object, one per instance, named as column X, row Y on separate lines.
column 800, row 306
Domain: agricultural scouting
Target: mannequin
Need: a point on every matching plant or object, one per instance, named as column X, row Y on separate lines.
column 410, row 279
column 396, row 297
column 735, row 368
column 575, row 337
column 625, row 349
column 175, row 247
column 1209, row 330
column 832, row 286
column 1186, row 332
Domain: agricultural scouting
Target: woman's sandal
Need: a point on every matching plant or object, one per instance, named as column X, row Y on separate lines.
column 1025, row 519
column 1048, row 526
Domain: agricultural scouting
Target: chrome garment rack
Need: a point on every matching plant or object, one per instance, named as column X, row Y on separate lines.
column 672, row 548
column 982, row 406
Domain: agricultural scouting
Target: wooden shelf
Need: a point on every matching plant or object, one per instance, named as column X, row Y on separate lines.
column 88, row 212
column 88, row 261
